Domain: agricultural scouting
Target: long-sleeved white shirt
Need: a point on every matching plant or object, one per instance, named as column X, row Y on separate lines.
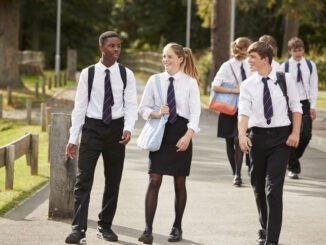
column 187, row 97
column 308, row 88
column 251, row 100
column 124, row 106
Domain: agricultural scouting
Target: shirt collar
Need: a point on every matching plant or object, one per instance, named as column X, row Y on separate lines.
column 102, row 67
column 175, row 76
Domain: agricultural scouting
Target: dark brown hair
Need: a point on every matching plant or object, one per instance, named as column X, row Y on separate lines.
column 263, row 49
column 105, row 35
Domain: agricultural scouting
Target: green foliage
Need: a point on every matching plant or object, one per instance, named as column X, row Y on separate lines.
column 204, row 65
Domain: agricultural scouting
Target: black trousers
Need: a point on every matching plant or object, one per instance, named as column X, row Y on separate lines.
column 268, row 159
column 305, row 136
column 98, row 138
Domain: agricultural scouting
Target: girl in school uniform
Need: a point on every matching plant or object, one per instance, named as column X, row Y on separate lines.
column 180, row 91
column 233, row 72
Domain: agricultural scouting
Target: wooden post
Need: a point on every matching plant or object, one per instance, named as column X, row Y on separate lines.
column 48, row 111
column 43, row 117
column 55, row 81
column 1, row 105
column 29, row 111
column 34, row 154
column 36, row 90
column 65, row 78
column 62, row 172
column 50, row 83
column 10, row 162
column 49, row 144
column 9, row 99
column 43, row 84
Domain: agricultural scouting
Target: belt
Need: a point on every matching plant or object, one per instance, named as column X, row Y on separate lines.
column 276, row 130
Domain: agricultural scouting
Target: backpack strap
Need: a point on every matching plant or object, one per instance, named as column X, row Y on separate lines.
column 91, row 72
column 309, row 65
column 286, row 66
column 282, row 83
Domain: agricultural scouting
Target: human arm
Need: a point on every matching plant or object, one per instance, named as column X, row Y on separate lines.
column 71, row 151
column 293, row 139
column 244, row 141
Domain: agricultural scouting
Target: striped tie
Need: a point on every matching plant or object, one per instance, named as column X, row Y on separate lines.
column 108, row 99
column 299, row 75
column 171, row 102
column 243, row 73
column 268, row 107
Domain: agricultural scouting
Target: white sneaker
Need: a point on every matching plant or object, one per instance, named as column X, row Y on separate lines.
column 293, row 175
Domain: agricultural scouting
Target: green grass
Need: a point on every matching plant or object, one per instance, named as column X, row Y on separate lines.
column 321, row 101
column 24, row 183
column 10, row 130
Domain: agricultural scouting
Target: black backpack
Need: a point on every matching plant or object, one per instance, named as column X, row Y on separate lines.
column 282, row 83
column 91, row 71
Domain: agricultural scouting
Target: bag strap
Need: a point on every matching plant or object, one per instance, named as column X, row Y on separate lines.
column 236, row 79
column 159, row 87
column 91, row 72
column 282, row 83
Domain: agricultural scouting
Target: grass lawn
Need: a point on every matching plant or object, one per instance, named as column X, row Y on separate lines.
column 10, row 130
column 321, row 101
column 24, row 183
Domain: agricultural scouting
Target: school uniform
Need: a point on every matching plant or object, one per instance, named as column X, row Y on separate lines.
column 269, row 153
column 99, row 138
column 230, row 72
column 167, row 161
column 308, row 92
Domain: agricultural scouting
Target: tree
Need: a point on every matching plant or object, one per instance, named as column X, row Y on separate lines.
column 9, row 32
column 220, row 34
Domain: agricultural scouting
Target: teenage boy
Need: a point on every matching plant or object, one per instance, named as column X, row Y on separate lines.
column 304, row 72
column 263, row 109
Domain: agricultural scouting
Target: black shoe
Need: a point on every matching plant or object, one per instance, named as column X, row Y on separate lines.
column 270, row 243
column 261, row 237
column 293, row 175
column 106, row 234
column 237, row 181
column 175, row 235
column 146, row 237
column 76, row 237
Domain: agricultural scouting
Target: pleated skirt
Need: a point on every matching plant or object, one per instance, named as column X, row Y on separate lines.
column 227, row 126
column 167, row 161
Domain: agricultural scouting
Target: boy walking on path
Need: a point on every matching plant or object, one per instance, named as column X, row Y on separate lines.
column 304, row 73
column 263, row 109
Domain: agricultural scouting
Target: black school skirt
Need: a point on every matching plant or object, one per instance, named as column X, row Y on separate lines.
column 227, row 126
column 167, row 161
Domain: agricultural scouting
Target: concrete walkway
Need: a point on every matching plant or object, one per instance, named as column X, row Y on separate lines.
column 217, row 213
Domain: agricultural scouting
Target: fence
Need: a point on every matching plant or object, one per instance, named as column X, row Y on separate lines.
column 26, row 145
column 149, row 62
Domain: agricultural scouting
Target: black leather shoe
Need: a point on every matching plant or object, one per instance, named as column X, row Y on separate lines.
column 76, row 237
column 175, row 235
column 237, row 181
column 261, row 237
column 146, row 237
column 106, row 234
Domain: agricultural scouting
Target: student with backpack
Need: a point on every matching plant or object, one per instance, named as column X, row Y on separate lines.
column 105, row 111
column 304, row 72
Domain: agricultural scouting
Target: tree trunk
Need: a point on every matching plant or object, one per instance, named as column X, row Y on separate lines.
column 220, row 34
column 9, row 33
column 291, row 30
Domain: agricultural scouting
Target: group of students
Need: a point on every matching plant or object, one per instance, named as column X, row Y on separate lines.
column 273, row 124
column 237, row 69
column 106, row 110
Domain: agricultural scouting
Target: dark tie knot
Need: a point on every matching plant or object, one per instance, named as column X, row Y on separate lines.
column 171, row 79
column 299, row 64
column 264, row 79
column 107, row 71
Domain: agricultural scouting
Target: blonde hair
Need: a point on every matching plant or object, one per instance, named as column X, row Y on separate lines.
column 188, row 63
column 239, row 47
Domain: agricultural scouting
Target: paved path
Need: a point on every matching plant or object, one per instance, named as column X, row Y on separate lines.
column 216, row 214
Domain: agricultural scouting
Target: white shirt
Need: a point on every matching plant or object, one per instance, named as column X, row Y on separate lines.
column 225, row 73
column 308, row 90
column 187, row 97
column 123, row 107
column 275, row 65
column 251, row 100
